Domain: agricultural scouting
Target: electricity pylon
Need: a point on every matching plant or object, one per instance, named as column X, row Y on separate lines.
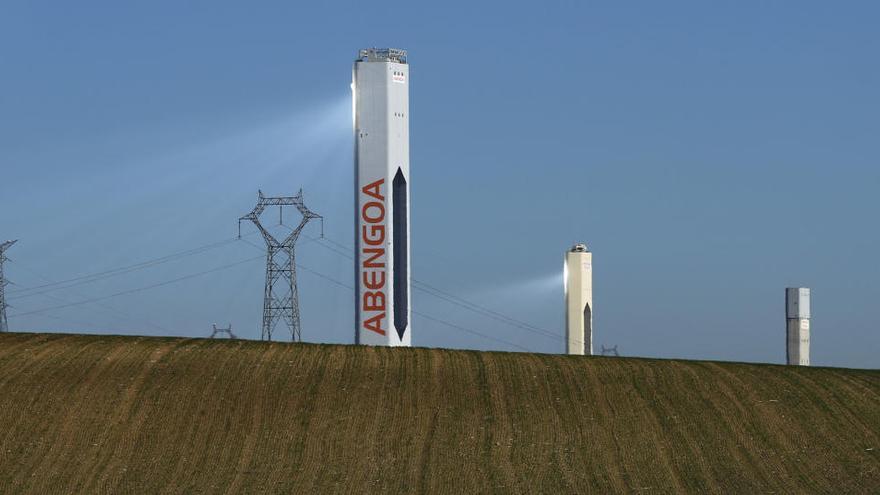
column 610, row 351
column 281, row 296
column 221, row 330
column 4, row 325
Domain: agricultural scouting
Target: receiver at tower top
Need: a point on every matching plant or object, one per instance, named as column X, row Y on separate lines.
column 380, row 86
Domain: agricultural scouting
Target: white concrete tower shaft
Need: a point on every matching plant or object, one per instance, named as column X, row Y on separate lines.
column 579, row 301
column 380, row 86
column 797, row 326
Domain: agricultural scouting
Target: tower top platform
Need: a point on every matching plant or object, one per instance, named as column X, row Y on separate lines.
column 382, row 55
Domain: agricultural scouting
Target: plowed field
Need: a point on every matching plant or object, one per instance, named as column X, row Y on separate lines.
column 98, row 414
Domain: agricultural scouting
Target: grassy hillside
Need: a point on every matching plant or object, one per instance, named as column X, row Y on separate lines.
column 84, row 414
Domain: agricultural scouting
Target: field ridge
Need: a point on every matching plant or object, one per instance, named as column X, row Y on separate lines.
column 114, row 414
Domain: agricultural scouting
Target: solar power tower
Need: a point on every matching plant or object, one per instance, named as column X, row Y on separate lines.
column 281, row 295
column 380, row 86
column 578, row 282
column 797, row 326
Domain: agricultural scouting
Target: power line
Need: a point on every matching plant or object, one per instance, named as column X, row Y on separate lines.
column 340, row 249
column 468, row 330
column 106, row 307
column 93, row 277
column 140, row 289
column 88, row 324
column 440, row 294
column 418, row 313
column 43, row 311
column 453, row 299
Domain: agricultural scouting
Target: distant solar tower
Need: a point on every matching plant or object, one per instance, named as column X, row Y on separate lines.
column 579, row 301
column 797, row 326
column 380, row 87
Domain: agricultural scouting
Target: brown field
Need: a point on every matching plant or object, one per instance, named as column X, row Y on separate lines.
column 98, row 414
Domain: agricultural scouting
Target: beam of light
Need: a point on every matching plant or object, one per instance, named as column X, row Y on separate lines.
column 530, row 291
column 297, row 144
column 305, row 147
column 163, row 198
column 294, row 146
column 353, row 107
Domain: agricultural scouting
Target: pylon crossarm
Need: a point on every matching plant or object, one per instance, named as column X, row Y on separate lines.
column 307, row 215
column 6, row 245
column 291, row 239
column 269, row 238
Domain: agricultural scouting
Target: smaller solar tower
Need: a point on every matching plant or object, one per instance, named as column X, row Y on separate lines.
column 797, row 326
column 579, row 301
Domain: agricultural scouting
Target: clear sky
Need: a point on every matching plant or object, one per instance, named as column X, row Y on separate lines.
column 710, row 154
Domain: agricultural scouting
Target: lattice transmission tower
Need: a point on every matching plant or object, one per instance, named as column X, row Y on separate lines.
column 281, row 296
column 4, row 325
column 610, row 351
column 223, row 331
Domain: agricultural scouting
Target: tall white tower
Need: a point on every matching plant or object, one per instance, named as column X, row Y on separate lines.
column 380, row 86
column 797, row 326
column 579, row 301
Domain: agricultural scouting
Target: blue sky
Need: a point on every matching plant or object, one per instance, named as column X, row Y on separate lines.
column 709, row 154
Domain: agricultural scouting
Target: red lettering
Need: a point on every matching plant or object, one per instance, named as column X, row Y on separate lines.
column 374, row 189
column 375, row 236
column 374, row 301
column 374, row 324
column 365, row 212
column 371, row 261
column 375, row 281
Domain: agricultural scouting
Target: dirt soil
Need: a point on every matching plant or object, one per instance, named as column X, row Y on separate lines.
column 99, row 414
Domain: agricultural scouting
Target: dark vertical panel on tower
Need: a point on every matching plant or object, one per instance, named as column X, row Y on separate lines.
column 399, row 237
column 588, row 326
